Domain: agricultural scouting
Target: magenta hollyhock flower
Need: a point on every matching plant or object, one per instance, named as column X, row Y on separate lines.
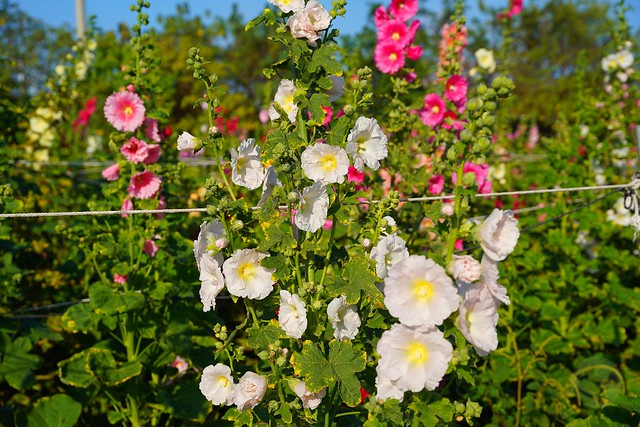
column 153, row 153
column 111, row 173
column 433, row 112
column 414, row 52
column 455, row 90
column 150, row 248
column 394, row 31
column 151, row 130
column 135, row 150
column 328, row 224
column 144, row 185
column 451, row 121
column 380, row 16
column 515, row 9
column 458, row 246
column 119, row 278
column 403, row 9
column 389, row 57
column 413, row 30
column 481, row 172
column 124, row 110
column 127, row 205
column 354, row 175
column 436, row 184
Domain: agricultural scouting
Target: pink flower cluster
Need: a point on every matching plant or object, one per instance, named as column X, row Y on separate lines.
column 395, row 38
column 481, row 172
column 85, row 114
column 435, row 112
column 137, row 151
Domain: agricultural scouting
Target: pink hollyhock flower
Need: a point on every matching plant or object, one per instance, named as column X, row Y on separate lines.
column 394, row 31
column 112, row 172
column 403, row 9
column 162, row 204
column 456, row 88
column 135, row 150
column 354, row 175
column 328, row 224
column 144, row 185
column 125, row 111
column 451, row 121
column 85, row 114
column 436, row 184
column 433, row 112
column 150, row 248
column 180, row 364
column 414, row 52
column 458, row 246
column 516, row 8
column 127, row 205
column 410, row 77
column 413, row 30
column 389, row 57
column 153, row 153
column 481, row 172
column 329, row 115
column 151, row 130
column 119, row 278
column 380, row 16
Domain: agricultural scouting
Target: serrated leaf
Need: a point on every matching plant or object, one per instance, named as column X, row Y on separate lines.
column 275, row 145
column 279, row 262
column 239, row 418
column 105, row 300
column 313, row 366
column 56, row 411
column 260, row 337
column 325, row 57
column 339, row 130
column 72, row 371
column 356, row 277
column 80, row 318
column 345, row 362
column 316, row 102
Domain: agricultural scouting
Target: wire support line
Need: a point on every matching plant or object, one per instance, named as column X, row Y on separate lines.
column 633, row 184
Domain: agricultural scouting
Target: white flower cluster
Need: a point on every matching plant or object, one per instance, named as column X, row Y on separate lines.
column 218, row 386
column 414, row 355
column 307, row 20
column 619, row 62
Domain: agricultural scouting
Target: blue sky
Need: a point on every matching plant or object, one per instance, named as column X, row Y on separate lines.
column 110, row 12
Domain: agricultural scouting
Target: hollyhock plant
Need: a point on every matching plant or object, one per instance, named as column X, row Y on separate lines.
column 188, row 142
column 436, row 184
column 245, row 277
column 414, row 52
column 119, row 278
column 151, row 130
column 292, row 314
column 125, row 111
column 85, row 114
column 367, row 144
column 127, row 205
column 150, row 248
column 288, row 5
column 354, row 175
column 396, row 31
column 216, row 384
column 419, row 292
column 482, row 174
column 212, row 281
column 515, row 9
column 144, row 185
column 112, row 172
column 135, row 150
column 403, row 9
column 434, row 109
column 211, row 239
column 485, row 59
column 312, row 211
column 153, row 154
column 465, row 268
column 325, row 163
column 389, row 56
column 477, row 321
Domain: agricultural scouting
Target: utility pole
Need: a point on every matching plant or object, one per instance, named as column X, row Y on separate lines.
column 80, row 28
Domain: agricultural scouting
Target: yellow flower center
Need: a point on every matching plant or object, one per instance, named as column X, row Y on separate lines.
column 247, row 271
column 328, row 162
column 224, row 381
column 417, row 353
column 395, row 36
column 128, row 110
column 360, row 141
column 241, row 163
column 435, row 109
column 393, row 57
column 423, row 290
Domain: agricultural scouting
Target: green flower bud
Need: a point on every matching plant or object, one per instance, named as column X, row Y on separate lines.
column 465, row 136
column 482, row 89
column 474, row 104
column 452, row 154
column 237, row 225
column 348, row 110
column 468, row 179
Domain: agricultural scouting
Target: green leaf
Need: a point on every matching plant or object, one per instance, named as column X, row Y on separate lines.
column 345, row 362
column 279, row 262
column 17, row 364
column 285, row 413
column 101, row 363
column 618, row 398
column 105, row 300
column 254, row 22
column 185, row 401
column 261, row 337
column 239, row 418
column 313, row 366
column 80, row 318
column 357, row 276
column 72, row 371
column 325, row 58
column 275, row 145
column 57, row 411
column 316, row 102
column 339, row 130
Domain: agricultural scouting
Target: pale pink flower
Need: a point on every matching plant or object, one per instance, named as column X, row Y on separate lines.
column 125, row 111
column 403, row 9
column 436, row 184
column 112, row 172
column 249, row 391
column 151, row 130
column 180, row 364
column 150, row 248
column 135, row 150
column 301, row 27
column 119, row 278
column 389, row 56
column 153, row 153
column 144, row 185
column 465, row 268
column 433, row 112
column 127, row 205
column 456, row 88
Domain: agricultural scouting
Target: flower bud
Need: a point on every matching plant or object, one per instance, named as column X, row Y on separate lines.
column 465, row 268
column 447, row 209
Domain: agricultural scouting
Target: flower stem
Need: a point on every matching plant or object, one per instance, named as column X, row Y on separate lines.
column 453, row 235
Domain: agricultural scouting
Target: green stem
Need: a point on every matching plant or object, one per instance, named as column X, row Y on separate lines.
column 453, row 235
column 327, row 260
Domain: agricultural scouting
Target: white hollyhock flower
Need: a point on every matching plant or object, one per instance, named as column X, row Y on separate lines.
column 292, row 315
column 247, row 167
column 485, row 59
column 210, row 233
column 344, row 318
column 270, row 182
column 419, row 293
column 387, row 389
column 465, row 268
column 489, row 280
column 325, row 163
column 624, row 59
column 499, row 234
column 284, row 96
column 216, row 384
column 288, row 5
column 244, row 275
column 211, row 280
column 309, row 400
column 313, row 208
column 318, row 15
column 188, row 142
column 301, row 27
column 367, row 144
column 413, row 359
column 249, row 391
column 478, row 319
column 388, row 252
